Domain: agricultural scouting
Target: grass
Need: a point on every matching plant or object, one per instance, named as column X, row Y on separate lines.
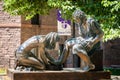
column 113, row 71
column 2, row 71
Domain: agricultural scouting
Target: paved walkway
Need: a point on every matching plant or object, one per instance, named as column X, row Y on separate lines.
column 115, row 77
column 4, row 78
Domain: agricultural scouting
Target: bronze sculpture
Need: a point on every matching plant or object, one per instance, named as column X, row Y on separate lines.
column 89, row 35
column 26, row 60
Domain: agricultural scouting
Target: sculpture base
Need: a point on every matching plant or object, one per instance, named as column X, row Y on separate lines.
column 66, row 74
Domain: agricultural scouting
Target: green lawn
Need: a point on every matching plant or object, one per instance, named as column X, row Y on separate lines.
column 114, row 71
column 2, row 71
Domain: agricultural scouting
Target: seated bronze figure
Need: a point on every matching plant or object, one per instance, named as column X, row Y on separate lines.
column 89, row 35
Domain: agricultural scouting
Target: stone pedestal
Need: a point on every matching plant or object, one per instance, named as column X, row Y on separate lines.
column 57, row 75
column 97, row 60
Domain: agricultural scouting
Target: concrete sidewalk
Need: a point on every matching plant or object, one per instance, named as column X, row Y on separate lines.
column 113, row 77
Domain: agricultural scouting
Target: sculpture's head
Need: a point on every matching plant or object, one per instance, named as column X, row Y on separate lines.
column 51, row 39
column 79, row 16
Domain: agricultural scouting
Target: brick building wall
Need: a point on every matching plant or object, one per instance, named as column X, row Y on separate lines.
column 9, row 37
column 48, row 23
column 111, row 56
column 9, row 41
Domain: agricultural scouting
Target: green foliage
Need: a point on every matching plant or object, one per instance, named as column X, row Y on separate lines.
column 113, row 71
column 112, row 26
column 2, row 71
column 65, row 6
column 115, row 4
column 105, row 11
column 28, row 8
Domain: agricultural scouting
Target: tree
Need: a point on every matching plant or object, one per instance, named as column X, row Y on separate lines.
column 28, row 8
column 105, row 11
column 112, row 26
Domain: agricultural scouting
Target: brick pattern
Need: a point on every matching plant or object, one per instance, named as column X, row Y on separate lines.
column 111, row 53
column 9, row 37
column 49, row 20
column 48, row 23
column 27, row 32
column 9, row 41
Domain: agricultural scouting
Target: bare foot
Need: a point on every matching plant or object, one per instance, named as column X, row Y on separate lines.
column 87, row 68
column 91, row 66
